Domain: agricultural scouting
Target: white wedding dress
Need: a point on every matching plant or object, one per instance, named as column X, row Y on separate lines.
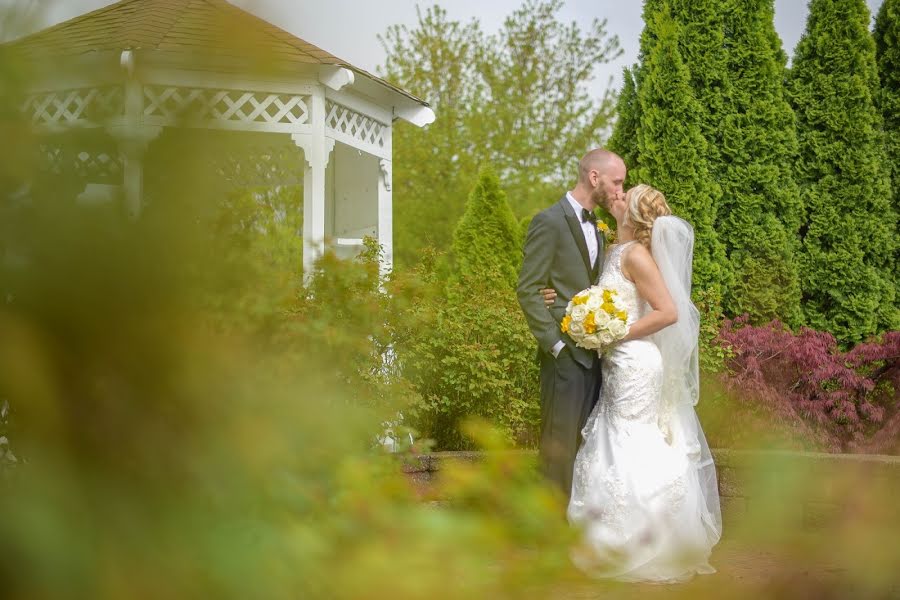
column 644, row 491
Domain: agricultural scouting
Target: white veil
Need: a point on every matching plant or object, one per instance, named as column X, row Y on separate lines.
column 672, row 246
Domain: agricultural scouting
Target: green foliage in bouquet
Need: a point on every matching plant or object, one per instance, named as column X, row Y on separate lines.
column 849, row 238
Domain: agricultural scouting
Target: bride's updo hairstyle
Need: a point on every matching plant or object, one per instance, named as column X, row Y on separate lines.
column 645, row 205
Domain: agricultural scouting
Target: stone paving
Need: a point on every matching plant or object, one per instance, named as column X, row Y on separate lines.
column 745, row 572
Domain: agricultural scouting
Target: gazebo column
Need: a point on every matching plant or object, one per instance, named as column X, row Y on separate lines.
column 316, row 150
column 385, row 210
column 133, row 143
column 133, row 137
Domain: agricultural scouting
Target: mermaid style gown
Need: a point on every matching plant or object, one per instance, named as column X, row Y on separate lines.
column 637, row 494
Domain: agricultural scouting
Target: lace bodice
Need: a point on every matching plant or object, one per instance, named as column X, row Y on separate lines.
column 612, row 277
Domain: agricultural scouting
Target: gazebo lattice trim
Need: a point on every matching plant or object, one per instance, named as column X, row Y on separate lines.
column 84, row 106
column 237, row 106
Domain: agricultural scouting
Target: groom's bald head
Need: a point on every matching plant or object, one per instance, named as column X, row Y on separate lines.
column 599, row 160
column 601, row 174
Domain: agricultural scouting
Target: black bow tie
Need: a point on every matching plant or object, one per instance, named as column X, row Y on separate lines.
column 587, row 215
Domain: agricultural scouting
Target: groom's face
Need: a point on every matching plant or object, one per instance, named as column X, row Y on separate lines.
column 608, row 184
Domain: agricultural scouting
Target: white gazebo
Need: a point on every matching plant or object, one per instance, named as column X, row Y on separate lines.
column 113, row 82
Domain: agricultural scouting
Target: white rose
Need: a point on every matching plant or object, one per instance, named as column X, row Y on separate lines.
column 576, row 329
column 617, row 328
column 580, row 312
column 601, row 318
column 606, row 338
column 594, row 302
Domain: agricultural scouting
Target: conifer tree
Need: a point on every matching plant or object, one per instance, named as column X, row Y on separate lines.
column 887, row 52
column 701, row 43
column 487, row 243
column 848, row 238
column 671, row 145
column 760, row 212
column 623, row 140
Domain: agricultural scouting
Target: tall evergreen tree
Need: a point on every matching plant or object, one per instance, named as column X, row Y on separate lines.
column 701, row 43
column 848, row 239
column 623, row 140
column 671, row 145
column 761, row 211
column 887, row 53
column 487, row 244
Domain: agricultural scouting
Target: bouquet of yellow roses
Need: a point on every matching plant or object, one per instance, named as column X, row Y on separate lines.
column 595, row 318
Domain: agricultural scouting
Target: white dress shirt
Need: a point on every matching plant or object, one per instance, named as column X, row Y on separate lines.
column 590, row 237
column 589, row 229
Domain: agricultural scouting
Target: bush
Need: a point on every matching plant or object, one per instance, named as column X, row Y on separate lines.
column 845, row 400
column 474, row 355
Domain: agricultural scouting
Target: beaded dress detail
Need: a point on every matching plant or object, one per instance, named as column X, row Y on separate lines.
column 635, row 497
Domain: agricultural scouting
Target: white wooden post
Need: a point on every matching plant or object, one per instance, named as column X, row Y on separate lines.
column 133, row 137
column 316, row 150
column 385, row 215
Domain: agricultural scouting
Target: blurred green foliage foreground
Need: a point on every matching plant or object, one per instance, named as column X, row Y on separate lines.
column 191, row 420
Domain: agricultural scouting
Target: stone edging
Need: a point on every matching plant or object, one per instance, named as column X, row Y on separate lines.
column 830, row 481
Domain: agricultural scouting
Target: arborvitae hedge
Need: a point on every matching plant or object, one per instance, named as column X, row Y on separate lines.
column 760, row 213
column 623, row 140
column 849, row 236
column 887, row 53
column 671, row 146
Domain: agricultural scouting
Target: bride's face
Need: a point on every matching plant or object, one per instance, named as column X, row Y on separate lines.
column 617, row 205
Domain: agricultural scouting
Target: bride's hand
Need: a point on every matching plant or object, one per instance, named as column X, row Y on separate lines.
column 549, row 295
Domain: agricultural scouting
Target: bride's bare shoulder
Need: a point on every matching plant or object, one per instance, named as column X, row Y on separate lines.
column 636, row 260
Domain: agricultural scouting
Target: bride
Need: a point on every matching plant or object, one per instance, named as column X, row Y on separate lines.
column 644, row 491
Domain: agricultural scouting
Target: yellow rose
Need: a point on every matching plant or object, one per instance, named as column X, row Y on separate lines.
column 590, row 326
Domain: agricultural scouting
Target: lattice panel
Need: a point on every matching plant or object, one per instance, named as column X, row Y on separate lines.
column 358, row 126
column 81, row 106
column 96, row 165
column 261, row 166
column 225, row 105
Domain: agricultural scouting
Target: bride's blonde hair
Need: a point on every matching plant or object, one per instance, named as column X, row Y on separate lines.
column 644, row 205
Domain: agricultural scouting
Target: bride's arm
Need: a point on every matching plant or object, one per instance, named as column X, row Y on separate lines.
column 638, row 266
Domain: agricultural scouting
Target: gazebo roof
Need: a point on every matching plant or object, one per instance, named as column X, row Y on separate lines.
column 181, row 27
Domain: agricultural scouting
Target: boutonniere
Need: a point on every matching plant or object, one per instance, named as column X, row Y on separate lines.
column 608, row 234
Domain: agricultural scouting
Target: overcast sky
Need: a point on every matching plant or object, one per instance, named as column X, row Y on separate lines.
column 349, row 28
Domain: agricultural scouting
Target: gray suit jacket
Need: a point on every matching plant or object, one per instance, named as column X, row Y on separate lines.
column 556, row 256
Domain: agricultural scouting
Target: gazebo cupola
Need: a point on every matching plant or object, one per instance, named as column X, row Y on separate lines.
column 128, row 73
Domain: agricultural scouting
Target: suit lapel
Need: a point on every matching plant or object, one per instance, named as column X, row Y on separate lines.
column 599, row 264
column 574, row 224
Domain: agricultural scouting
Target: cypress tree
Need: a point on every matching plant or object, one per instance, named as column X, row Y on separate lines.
column 887, row 53
column 761, row 211
column 487, row 243
column 671, row 145
column 623, row 140
column 701, row 43
column 848, row 238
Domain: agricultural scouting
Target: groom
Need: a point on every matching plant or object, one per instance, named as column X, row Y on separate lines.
column 563, row 251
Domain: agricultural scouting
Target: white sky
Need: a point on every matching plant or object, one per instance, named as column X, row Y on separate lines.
column 348, row 28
